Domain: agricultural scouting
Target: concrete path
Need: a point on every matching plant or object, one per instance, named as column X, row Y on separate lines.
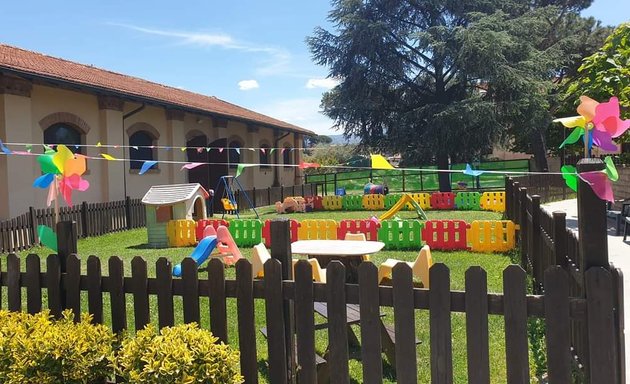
column 618, row 255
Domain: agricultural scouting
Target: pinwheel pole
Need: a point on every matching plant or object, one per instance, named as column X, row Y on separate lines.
column 56, row 201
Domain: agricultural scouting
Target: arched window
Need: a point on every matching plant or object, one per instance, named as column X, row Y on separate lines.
column 234, row 154
column 143, row 141
column 264, row 156
column 63, row 133
column 287, row 156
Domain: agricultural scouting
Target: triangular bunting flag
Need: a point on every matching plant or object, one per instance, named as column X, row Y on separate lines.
column 379, row 162
column 146, row 166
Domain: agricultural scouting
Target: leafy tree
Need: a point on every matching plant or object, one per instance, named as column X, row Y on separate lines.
column 328, row 155
column 443, row 79
column 311, row 141
column 604, row 74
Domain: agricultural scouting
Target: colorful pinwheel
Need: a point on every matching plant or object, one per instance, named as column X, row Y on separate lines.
column 62, row 171
column 600, row 120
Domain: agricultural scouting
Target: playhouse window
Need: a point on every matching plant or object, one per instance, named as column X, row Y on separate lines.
column 164, row 214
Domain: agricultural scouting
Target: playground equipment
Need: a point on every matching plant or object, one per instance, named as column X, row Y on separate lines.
column 228, row 199
column 420, row 267
column 291, row 204
column 406, row 198
column 219, row 239
column 373, row 189
column 199, row 254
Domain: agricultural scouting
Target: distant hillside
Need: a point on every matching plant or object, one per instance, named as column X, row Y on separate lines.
column 339, row 139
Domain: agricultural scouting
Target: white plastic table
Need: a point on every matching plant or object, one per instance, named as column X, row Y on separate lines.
column 349, row 252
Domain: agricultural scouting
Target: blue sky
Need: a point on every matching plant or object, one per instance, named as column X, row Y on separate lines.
column 248, row 52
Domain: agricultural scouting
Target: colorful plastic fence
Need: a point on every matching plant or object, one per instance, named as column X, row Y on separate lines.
column 246, row 232
column 332, row 203
column 391, row 200
column 445, row 234
column 373, row 202
column 181, row 233
column 352, row 203
column 491, row 236
column 401, row 234
column 203, row 223
column 317, row 230
column 266, row 231
column 315, row 202
column 423, row 200
column 367, row 227
column 442, row 200
column 468, row 201
column 493, row 201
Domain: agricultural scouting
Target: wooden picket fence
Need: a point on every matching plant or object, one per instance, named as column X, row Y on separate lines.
column 289, row 315
column 545, row 241
column 93, row 219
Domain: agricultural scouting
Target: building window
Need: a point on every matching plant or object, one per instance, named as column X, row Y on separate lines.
column 63, row 133
column 287, row 156
column 264, row 156
column 234, row 154
column 143, row 141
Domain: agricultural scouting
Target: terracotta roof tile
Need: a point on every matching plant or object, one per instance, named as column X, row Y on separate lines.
column 37, row 64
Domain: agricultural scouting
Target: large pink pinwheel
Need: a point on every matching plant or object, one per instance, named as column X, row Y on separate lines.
column 600, row 120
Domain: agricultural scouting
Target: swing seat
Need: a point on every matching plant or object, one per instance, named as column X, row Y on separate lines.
column 228, row 205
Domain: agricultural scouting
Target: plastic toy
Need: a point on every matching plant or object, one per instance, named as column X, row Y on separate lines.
column 291, row 204
column 371, row 189
column 199, row 254
column 420, row 267
column 406, row 198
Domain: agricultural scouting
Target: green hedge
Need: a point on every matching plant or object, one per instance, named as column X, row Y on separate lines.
column 39, row 349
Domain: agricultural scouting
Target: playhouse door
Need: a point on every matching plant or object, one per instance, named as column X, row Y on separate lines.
column 218, row 167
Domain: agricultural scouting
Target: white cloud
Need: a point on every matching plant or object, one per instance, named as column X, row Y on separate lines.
column 303, row 112
column 276, row 61
column 246, row 85
column 326, row 83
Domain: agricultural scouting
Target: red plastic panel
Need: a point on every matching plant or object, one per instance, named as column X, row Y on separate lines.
column 315, row 202
column 201, row 225
column 367, row 227
column 266, row 231
column 445, row 234
column 443, row 200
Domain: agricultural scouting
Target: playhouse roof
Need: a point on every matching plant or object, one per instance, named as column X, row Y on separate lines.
column 172, row 193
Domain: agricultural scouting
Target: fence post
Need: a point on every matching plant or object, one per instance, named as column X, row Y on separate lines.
column 33, row 218
column 84, row 219
column 421, row 182
column 66, row 246
column 269, row 196
column 403, row 180
column 281, row 251
column 516, row 202
column 560, row 238
column 523, row 224
column 335, row 183
column 508, row 197
column 592, row 226
column 535, row 254
column 128, row 211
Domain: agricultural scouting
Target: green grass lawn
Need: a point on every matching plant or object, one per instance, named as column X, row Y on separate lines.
column 133, row 243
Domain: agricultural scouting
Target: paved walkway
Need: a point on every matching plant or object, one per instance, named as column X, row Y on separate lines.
column 618, row 255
